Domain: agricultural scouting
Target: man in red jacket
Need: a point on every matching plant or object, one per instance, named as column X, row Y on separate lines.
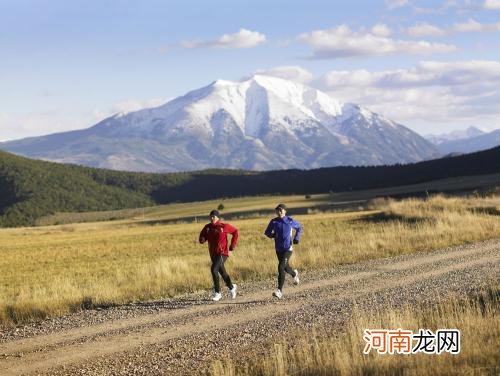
column 215, row 233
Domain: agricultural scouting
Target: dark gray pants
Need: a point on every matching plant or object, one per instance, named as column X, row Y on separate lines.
column 218, row 268
column 283, row 266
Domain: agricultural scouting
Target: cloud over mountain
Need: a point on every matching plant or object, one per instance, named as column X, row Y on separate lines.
column 242, row 39
column 341, row 41
column 462, row 93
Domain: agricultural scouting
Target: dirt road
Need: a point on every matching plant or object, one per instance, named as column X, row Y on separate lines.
column 183, row 336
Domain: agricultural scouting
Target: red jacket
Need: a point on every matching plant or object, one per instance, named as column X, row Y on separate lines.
column 216, row 234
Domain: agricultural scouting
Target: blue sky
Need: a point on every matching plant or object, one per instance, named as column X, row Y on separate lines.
column 433, row 66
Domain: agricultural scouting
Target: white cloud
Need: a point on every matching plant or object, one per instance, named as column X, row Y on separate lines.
column 341, row 41
column 423, row 29
column 292, row 73
column 425, row 74
column 492, row 4
column 242, row 39
column 474, row 26
column 469, row 26
column 457, row 94
column 381, row 30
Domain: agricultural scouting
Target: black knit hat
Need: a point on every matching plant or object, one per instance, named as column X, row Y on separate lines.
column 280, row 206
column 214, row 213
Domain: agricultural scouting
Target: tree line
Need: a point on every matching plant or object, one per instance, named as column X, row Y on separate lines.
column 31, row 189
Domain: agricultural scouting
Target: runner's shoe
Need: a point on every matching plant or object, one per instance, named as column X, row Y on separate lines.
column 233, row 291
column 278, row 294
column 216, row 296
column 296, row 279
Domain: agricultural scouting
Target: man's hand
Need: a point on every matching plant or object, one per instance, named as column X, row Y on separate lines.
column 202, row 240
column 295, row 241
column 231, row 248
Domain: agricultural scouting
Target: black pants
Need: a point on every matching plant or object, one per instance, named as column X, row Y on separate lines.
column 283, row 259
column 218, row 267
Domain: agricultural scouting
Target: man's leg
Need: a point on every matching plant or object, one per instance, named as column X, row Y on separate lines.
column 223, row 273
column 216, row 262
column 288, row 268
column 282, row 262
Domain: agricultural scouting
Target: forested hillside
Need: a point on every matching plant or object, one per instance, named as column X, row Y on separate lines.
column 30, row 189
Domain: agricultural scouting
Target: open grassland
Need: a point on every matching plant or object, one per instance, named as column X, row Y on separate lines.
column 342, row 353
column 192, row 211
column 252, row 206
column 47, row 271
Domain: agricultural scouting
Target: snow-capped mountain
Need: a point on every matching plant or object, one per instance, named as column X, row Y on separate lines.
column 261, row 123
column 471, row 144
column 438, row 139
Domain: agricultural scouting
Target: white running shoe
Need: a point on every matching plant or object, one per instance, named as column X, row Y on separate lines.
column 216, row 296
column 296, row 279
column 278, row 293
column 233, row 291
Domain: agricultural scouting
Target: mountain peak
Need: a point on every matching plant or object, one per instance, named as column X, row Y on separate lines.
column 455, row 135
column 259, row 123
column 221, row 83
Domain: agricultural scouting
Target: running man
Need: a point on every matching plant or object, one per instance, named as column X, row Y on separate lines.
column 281, row 229
column 215, row 233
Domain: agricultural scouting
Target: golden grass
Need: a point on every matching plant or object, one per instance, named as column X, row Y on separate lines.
column 191, row 210
column 342, row 353
column 53, row 270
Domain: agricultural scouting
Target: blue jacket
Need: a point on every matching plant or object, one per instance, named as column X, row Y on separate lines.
column 281, row 229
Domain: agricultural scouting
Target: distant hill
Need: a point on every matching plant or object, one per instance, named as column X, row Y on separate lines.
column 471, row 144
column 437, row 139
column 31, row 189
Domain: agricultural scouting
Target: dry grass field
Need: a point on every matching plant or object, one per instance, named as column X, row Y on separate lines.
column 342, row 354
column 246, row 205
column 191, row 211
column 54, row 270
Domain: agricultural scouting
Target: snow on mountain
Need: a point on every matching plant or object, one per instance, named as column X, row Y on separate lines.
column 454, row 135
column 471, row 144
column 260, row 123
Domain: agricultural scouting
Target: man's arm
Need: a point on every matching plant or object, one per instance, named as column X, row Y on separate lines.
column 234, row 233
column 203, row 235
column 270, row 230
column 298, row 230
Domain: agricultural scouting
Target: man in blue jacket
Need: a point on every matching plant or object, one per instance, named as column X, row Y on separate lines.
column 281, row 229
